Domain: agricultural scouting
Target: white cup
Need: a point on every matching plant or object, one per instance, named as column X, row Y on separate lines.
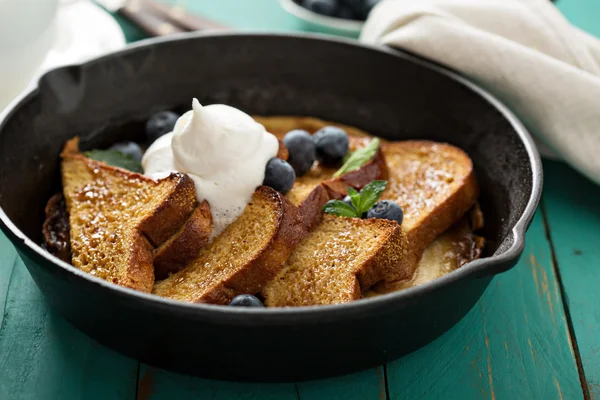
column 27, row 32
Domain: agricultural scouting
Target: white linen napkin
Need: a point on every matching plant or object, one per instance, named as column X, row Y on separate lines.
column 523, row 51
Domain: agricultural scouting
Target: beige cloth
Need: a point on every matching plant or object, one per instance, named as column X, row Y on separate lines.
column 523, row 51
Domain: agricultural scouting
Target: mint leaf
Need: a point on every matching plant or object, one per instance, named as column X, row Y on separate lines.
column 354, row 197
column 116, row 159
column 347, row 156
column 339, row 208
column 369, row 195
column 359, row 158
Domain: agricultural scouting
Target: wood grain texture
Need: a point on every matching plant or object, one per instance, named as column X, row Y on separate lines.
column 157, row 384
column 513, row 344
column 572, row 205
column 364, row 385
column 42, row 356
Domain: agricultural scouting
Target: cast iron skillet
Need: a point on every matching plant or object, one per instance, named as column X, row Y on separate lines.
column 386, row 92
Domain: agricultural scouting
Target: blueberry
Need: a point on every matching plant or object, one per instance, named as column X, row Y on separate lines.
column 332, row 144
column 348, row 201
column 160, row 124
column 129, row 148
column 324, row 7
column 246, row 300
column 301, row 149
column 386, row 209
column 279, row 175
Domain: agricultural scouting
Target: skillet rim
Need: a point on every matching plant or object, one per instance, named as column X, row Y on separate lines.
column 276, row 316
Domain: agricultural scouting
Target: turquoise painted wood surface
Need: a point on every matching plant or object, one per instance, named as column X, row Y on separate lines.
column 513, row 344
column 42, row 356
column 520, row 341
column 572, row 205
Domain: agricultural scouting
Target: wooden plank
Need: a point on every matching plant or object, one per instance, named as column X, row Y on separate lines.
column 156, row 384
column 572, row 205
column 255, row 15
column 8, row 259
column 43, row 357
column 368, row 384
column 513, row 344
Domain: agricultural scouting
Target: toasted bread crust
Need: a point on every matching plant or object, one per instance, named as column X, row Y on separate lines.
column 172, row 213
column 120, row 251
column 450, row 251
column 267, row 264
column 311, row 209
column 316, row 274
column 454, row 199
column 183, row 246
column 139, row 273
column 262, row 266
column 390, row 262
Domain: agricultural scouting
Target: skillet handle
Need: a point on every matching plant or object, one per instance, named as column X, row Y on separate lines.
column 506, row 256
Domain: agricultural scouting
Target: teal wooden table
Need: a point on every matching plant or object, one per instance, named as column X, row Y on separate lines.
column 535, row 334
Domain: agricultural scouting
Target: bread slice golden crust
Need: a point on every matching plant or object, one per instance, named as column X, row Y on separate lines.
column 435, row 185
column 117, row 217
column 184, row 246
column 244, row 257
column 448, row 252
column 337, row 261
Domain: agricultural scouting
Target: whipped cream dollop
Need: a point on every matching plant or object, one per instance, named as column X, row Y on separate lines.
column 223, row 150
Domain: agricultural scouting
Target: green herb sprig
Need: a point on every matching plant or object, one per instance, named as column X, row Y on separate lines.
column 362, row 201
column 116, row 159
column 358, row 158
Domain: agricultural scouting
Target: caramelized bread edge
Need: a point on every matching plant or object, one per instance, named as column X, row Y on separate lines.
column 139, row 273
column 445, row 214
column 270, row 259
column 390, row 261
column 184, row 246
column 173, row 211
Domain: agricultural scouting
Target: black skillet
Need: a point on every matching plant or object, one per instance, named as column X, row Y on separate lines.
column 385, row 92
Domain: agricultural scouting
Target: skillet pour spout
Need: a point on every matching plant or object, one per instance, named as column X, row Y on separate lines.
column 398, row 96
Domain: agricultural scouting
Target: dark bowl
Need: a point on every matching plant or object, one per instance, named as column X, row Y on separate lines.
column 386, row 92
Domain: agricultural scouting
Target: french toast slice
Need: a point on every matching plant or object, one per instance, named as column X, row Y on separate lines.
column 448, row 252
column 435, row 185
column 340, row 259
column 244, row 257
column 118, row 217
